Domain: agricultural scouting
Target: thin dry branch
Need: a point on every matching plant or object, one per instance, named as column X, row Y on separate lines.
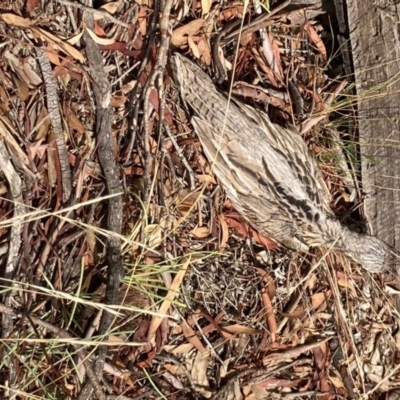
column 13, row 257
column 103, row 131
column 56, row 121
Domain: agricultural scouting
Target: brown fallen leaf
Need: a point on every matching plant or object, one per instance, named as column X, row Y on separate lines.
column 235, row 221
column 268, row 309
column 118, row 101
column 205, row 52
column 169, row 298
column 347, row 284
column 99, row 40
column 111, row 7
column 320, row 298
column 290, row 354
column 36, row 148
column 180, row 35
column 192, row 338
column 315, row 39
column 267, row 70
column 183, row 348
column 320, row 374
column 199, row 374
column 224, row 232
column 73, row 121
column 201, row 232
column 193, row 47
column 31, row 5
column 205, row 178
column 238, row 329
column 273, row 383
column 231, row 13
column 16, row 20
column 58, row 43
column 122, row 47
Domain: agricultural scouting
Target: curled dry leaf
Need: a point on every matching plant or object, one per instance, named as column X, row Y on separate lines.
column 316, row 39
column 231, row 13
column 224, row 233
column 268, row 71
column 292, row 353
column 16, row 20
column 201, row 232
column 193, row 47
column 336, row 381
column 127, row 87
column 183, row 348
column 268, row 309
column 111, row 7
column 75, row 38
column 99, row 40
column 118, row 101
column 180, row 35
column 273, row 383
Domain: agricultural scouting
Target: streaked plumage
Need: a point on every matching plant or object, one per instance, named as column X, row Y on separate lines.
column 268, row 172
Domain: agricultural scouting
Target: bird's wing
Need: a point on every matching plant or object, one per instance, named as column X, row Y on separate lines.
column 252, row 186
column 291, row 145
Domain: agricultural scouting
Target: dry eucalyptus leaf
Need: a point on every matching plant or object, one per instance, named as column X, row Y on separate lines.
column 75, row 39
column 199, row 374
column 99, row 40
column 206, row 6
column 201, row 232
column 241, row 329
column 193, row 47
column 12, row 19
column 58, row 43
column 111, row 7
column 180, row 35
column 22, row 88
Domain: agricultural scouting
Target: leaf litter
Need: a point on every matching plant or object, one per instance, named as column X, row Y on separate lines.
column 206, row 307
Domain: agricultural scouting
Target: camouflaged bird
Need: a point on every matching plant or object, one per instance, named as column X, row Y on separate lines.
column 268, row 172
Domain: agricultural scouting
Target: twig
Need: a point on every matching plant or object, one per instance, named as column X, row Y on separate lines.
column 13, row 258
column 259, row 22
column 91, row 10
column 56, row 121
column 182, row 157
column 158, row 70
column 215, row 48
column 102, row 93
column 134, row 98
column 314, row 121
